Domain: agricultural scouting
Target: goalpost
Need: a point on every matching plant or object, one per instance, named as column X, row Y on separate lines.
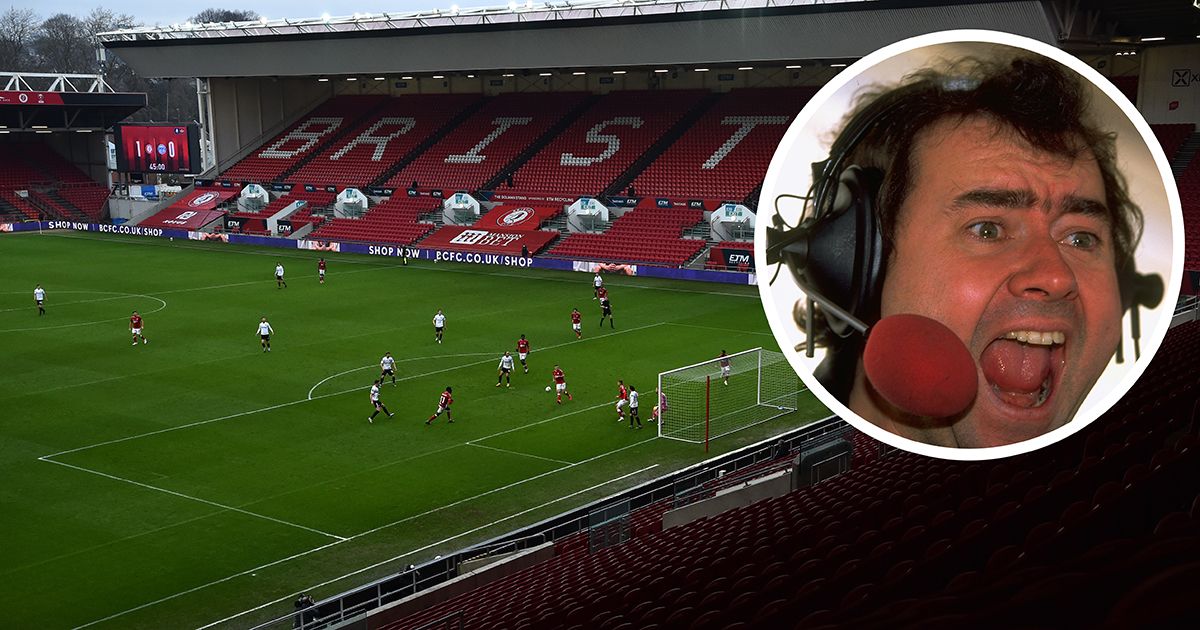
column 702, row 404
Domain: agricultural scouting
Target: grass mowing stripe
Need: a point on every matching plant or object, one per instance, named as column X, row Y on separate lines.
column 475, row 363
column 371, row 531
column 303, row 400
column 197, row 499
column 429, row 546
column 448, row 268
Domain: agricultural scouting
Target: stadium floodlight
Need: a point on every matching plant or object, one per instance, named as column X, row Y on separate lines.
column 661, row 71
column 744, row 68
column 323, row 80
column 701, row 70
column 1153, row 39
column 508, row 74
column 439, row 76
column 544, row 74
column 406, row 78
column 381, row 78
column 793, row 67
column 837, row 65
column 618, row 71
column 578, row 74
column 700, row 407
column 470, row 76
column 351, row 78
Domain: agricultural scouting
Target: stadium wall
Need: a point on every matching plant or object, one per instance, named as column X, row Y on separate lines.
column 394, row 251
column 248, row 112
column 1169, row 85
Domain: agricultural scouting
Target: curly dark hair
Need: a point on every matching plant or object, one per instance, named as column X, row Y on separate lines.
column 1037, row 98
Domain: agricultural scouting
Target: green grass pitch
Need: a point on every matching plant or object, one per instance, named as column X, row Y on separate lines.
column 178, row 483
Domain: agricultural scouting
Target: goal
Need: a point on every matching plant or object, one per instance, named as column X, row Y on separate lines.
column 702, row 404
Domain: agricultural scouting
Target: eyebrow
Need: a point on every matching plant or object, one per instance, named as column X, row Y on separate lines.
column 1017, row 198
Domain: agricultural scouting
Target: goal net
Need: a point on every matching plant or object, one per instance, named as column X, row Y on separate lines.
column 717, row 397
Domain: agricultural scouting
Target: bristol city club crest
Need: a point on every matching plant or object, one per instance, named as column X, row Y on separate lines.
column 202, row 199
column 516, row 217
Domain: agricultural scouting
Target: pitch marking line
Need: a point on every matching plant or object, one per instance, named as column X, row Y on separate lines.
column 504, row 450
column 724, row 330
column 197, row 499
column 472, row 364
column 118, row 296
column 376, row 365
column 426, row 547
column 367, row 568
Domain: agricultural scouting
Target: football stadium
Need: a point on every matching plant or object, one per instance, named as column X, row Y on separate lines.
column 451, row 319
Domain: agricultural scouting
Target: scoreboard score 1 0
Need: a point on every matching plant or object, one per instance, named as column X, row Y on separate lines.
column 157, row 148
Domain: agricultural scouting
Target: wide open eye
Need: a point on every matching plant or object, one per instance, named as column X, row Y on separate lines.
column 1082, row 240
column 986, row 230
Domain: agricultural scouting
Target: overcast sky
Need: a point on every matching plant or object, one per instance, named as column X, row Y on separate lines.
column 166, row 12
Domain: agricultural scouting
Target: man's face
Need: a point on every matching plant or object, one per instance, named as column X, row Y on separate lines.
column 1012, row 249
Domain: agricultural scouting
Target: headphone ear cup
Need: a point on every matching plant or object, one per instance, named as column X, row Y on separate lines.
column 845, row 247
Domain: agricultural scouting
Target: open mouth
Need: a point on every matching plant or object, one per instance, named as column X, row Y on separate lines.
column 1021, row 366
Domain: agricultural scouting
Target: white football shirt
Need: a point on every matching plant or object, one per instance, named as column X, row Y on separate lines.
column 387, row 363
column 439, row 320
column 374, row 393
column 39, row 294
column 633, row 398
column 264, row 328
column 506, row 362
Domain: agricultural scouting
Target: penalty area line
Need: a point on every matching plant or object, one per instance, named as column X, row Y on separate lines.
column 196, row 499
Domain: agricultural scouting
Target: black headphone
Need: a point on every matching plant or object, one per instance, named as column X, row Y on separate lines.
column 837, row 255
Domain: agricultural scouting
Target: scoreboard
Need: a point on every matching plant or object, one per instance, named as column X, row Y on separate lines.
column 160, row 148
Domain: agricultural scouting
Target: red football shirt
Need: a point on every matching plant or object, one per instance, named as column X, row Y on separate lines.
column 446, row 400
column 622, row 393
column 321, row 265
column 135, row 321
column 602, row 292
column 559, row 377
column 523, row 345
column 576, row 317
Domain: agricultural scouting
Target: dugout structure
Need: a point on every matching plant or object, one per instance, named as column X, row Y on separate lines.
column 700, row 406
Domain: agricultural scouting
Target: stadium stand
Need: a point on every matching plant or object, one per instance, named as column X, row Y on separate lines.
column 725, row 154
column 488, row 141
column 393, row 220
column 382, row 139
column 302, row 140
column 56, row 188
column 1082, row 532
column 71, row 189
column 645, row 234
column 600, row 145
column 1172, row 137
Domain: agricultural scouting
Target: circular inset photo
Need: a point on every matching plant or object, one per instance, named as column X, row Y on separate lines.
column 970, row 244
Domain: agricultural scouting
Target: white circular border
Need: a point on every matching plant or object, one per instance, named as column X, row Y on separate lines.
column 781, row 326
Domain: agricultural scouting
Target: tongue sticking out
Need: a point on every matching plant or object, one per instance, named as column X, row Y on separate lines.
column 1017, row 371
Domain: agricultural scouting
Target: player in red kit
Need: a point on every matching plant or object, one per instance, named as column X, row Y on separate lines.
column 577, row 323
column 523, row 352
column 321, row 270
column 560, row 384
column 622, row 400
column 444, row 403
column 135, row 327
